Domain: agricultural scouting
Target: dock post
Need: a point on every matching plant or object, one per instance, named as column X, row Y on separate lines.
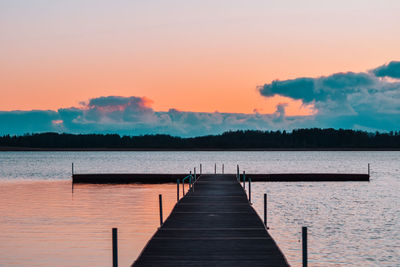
column 250, row 190
column 215, row 168
column 304, row 238
column 244, row 180
column 200, row 169
column 223, row 166
column 369, row 172
column 115, row 246
column 161, row 211
column 190, row 181
column 265, row 210
column 177, row 190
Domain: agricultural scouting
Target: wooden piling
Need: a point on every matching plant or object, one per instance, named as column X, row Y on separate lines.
column 250, row 190
column 115, row 246
column 161, row 209
column 369, row 170
column 244, row 180
column 304, row 239
column 265, row 210
column 177, row 190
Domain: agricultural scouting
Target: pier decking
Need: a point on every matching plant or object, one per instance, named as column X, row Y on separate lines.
column 213, row 225
column 160, row 178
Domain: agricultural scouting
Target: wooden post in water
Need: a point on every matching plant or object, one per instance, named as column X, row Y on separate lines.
column 177, row 190
column 265, row 210
column 244, row 180
column 369, row 171
column 115, row 246
column 250, row 190
column 304, row 239
column 190, row 181
column 161, row 210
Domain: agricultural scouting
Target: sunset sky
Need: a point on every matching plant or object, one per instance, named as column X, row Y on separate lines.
column 195, row 58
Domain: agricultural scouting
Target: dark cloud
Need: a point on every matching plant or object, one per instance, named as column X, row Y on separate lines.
column 346, row 100
column 391, row 70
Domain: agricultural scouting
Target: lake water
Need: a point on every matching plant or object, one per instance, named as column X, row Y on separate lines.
column 44, row 224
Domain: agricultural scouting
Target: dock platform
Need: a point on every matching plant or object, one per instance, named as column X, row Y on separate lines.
column 214, row 224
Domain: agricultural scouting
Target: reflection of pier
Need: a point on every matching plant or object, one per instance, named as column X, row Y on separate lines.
column 212, row 225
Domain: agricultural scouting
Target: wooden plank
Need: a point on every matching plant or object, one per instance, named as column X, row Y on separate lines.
column 214, row 225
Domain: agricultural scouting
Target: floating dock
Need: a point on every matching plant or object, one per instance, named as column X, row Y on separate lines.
column 214, row 224
column 154, row 178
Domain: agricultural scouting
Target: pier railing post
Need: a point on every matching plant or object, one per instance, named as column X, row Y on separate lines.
column 244, row 180
column 304, row 239
column 115, row 246
column 250, row 190
column 177, row 190
column 265, row 210
column 161, row 209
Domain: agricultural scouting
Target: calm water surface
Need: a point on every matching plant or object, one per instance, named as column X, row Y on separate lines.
column 44, row 224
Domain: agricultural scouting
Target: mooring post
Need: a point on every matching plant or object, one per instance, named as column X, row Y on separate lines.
column 244, row 180
column 265, row 210
column 177, row 190
column 190, row 181
column 369, row 172
column 250, row 190
column 115, row 246
column 304, row 238
column 161, row 211
column 200, row 169
column 223, row 166
column 215, row 168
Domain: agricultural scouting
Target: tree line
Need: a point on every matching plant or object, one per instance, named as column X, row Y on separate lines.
column 314, row 138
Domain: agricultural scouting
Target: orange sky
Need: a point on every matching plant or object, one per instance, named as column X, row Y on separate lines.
column 193, row 57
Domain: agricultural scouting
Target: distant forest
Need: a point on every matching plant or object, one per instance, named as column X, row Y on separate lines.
column 296, row 139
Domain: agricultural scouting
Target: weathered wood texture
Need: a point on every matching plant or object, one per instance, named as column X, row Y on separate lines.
column 214, row 225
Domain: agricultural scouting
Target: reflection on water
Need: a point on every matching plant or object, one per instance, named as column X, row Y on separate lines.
column 44, row 224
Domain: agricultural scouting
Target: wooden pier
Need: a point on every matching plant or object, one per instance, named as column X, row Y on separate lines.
column 214, row 224
column 160, row 178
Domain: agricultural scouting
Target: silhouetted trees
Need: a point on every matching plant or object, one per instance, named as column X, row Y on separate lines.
column 297, row 139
